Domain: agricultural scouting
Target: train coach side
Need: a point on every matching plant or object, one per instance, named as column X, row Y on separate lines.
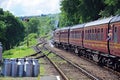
column 95, row 35
column 76, row 37
column 64, row 37
column 56, row 37
column 102, row 43
column 97, row 40
column 114, row 43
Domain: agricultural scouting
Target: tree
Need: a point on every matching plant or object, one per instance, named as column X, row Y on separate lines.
column 111, row 8
column 12, row 30
column 69, row 9
column 33, row 25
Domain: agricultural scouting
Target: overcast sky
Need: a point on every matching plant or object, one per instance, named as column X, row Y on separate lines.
column 31, row 7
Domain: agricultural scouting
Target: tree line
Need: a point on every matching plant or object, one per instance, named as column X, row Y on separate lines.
column 11, row 30
column 81, row 11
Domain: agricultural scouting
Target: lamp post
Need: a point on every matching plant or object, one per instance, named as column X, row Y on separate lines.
column 27, row 20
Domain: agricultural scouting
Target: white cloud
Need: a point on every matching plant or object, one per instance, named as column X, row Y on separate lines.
column 30, row 7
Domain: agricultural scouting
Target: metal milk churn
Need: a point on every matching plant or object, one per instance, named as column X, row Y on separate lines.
column 20, row 67
column 14, row 67
column 28, row 67
column 6, row 70
column 36, row 67
column 1, row 52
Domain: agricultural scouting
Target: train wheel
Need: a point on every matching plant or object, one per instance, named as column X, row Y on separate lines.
column 115, row 66
column 118, row 66
column 80, row 53
column 109, row 63
column 100, row 61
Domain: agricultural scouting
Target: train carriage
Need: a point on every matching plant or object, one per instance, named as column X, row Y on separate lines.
column 76, row 37
column 97, row 40
column 64, row 37
column 56, row 37
column 95, row 35
column 114, row 43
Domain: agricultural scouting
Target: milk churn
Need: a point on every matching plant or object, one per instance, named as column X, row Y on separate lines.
column 28, row 67
column 14, row 68
column 0, row 52
column 6, row 70
column 36, row 67
column 20, row 67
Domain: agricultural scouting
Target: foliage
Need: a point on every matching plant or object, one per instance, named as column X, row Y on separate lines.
column 11, row 30
column 18, row 52
column 47, row 24
column 81, row 11
column 33, row 25
column 41, row 25
column 112, row 8
column 22, row 50
column 31, row 38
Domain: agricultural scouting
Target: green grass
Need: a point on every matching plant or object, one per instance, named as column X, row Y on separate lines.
column 22, row 50
column 18, row 52
column 42, row 70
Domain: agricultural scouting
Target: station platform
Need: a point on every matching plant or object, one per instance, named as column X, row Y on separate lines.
column 51, row 77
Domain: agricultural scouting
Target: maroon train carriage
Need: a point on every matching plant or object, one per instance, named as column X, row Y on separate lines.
column 97, row 40
column 76, row 37
column 114, row 43
column 99, row 45
column 64, row 37
column 96, row 34
column 56, row 37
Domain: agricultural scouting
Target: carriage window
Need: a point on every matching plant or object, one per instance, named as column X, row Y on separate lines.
column 101, row 34
column 115, row 35
column 115, row 29
column 102, row 30
column 90, row 35
column 95, row 30
column 98, row 34
column 106, row 32
column 92, row 30
column 98, row 30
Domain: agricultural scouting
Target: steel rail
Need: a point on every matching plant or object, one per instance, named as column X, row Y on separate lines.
column 76, row 66
column 58, row 69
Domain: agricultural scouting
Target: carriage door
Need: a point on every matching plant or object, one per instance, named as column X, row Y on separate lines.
column 113, row 40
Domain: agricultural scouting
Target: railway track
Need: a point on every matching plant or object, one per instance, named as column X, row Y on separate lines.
column 69, row 69
column 100, row 72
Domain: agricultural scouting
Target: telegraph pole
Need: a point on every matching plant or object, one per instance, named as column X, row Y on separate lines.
column 27, row 20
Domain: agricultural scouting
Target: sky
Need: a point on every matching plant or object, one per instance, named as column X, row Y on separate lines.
column 30, row 7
